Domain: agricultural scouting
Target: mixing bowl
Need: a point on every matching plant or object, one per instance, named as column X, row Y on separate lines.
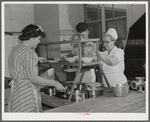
column 71, row 59
column 87, row 59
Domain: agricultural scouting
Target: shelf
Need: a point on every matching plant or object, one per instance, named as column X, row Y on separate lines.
column 79, row 63
column 68, row 42
column 74, row 63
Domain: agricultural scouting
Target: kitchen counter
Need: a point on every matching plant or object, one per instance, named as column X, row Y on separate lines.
column 107, row 103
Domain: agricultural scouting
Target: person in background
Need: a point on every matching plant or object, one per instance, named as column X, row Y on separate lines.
column 112, row 59
column 87, row 51
column 22, row 63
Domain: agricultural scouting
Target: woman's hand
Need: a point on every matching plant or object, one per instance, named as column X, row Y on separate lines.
column 42, row 59
column 60, row 87
column 109, row 60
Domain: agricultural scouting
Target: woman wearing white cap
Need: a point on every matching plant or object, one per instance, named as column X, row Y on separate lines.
column 112, row 59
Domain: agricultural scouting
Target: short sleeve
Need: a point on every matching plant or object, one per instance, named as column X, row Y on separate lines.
column 119, row 54
column 31, row 64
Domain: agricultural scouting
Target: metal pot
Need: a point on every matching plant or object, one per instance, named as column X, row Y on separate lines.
column 62, row 95
column 120, row 90
column 93, row 85
column 94, row 90
column 95, row 93
column 51, row 91
column 78, row 96
column 80, row 86
column 67, row 86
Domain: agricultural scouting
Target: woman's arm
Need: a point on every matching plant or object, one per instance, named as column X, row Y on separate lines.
column 45, row 82
column 42, row 59
column 109, row 60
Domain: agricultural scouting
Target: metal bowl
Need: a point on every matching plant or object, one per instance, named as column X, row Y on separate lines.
column 120, row 90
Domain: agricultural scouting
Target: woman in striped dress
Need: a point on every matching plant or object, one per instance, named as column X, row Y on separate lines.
column 22, row 62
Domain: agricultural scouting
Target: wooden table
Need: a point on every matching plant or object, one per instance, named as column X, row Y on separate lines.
column 133, row 103
column 52, row 101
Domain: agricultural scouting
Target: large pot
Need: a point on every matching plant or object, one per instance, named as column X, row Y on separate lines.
column 67, row 86
column 80, row 86
column 63, row 95
column 51, row 91
column 95, row 92
column 120, row 90
column 78, row 96
column 94, row 89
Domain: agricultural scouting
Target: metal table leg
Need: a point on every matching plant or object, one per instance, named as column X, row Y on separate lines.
column 54, row 73
column 104, row 77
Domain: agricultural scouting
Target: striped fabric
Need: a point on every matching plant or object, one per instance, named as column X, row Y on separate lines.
column 22, row 99
column 22, row 64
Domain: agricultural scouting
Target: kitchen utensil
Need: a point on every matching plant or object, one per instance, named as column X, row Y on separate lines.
column 120, row 90
column 127, row 82
column 95, row 92
column 62, row 95
column 87, row 59
column 94, row 89
column 80, row 86
column 137, row 83
column 67, row 86
column 71, row 59
column 78, row 95
column 57, row 59
column 53, row 60
column 51, row 91
column 93, row 84
column 140, row 79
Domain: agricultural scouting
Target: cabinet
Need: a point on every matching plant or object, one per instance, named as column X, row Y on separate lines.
column 10, row 42
column 17, row 16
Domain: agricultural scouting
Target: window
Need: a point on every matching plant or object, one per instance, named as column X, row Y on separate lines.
column 101, row 17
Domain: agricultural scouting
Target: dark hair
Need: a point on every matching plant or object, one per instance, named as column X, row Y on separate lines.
column 82, row 26
column 31, row 31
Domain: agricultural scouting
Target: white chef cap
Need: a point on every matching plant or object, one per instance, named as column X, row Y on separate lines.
column 113, row 33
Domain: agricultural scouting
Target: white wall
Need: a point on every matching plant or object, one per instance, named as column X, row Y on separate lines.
column 70, row 15
column 47, row 15
column 134, row 12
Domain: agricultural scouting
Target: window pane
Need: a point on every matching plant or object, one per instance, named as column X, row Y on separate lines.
column 93, row 13
column 115, row 10
column 95, row 30
column 109, row 11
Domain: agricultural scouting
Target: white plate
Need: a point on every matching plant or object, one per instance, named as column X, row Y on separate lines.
column 52, row 61
column 70, row 70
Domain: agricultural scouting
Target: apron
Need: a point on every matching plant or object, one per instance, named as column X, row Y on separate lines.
column 25, row 97
column 114, row 78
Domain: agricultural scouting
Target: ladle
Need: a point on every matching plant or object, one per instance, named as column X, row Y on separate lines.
column 127, row 82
